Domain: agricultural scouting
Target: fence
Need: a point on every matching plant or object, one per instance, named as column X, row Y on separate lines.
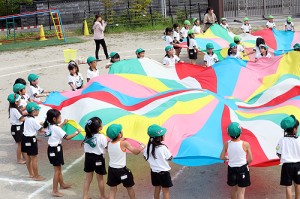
column 255, row 8
column 117, row 13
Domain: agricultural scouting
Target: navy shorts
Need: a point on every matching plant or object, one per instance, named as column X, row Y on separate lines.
column 118, row 176
column 94, row 162
column 29, row 145
column 192, row 54
column 55, row 155
column 17, row 132
column 239, row 176
column 290, row 172
column 162, row 179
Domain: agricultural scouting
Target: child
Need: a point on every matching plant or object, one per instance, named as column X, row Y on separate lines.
column 237, row 40
column 20, row 90
column 35, row 92
column 289, row 25
column 140, row 53
column 170, row 59
column 210, row 58
column 239, row 157
column 263, row 49
column 176, row 39
column 184, row 30
column 246, row 27
column 75, row 79
column 224, row 24
column 193, row 47
column 288, row 150
column 256, row 50
column 29, row 141
column 95, row 144
column 270, row 24
column 92, row 71
column 117, row 171
column 158, row 155
column 16, row 120
column 169, row 40
column 232, row 51
column 296, row 47
column 196, row 28
column 114, row 57
column 55, row 149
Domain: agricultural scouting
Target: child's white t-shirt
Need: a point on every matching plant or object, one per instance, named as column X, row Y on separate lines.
column 99, row 144
column 31, row 126
column 260, row 56
column 193, row 43
column 197, row 29
column 289, row 149
column 90, row 74
column 176, row 35
column 56, row 135
column 171, row 61
column 246, row 28
column 210, row 59
column 162, row 154
column 169, row 40
column 270, row 24
column 257, row 52
column 184, row 32
column 237, row 55
column 35, row 90
column 24, row 100
column 76, row 80
column 224, row 26
column 240, row 48
column 14, row 116
column 289, row 26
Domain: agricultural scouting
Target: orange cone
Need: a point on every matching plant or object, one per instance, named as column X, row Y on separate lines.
column 42, row 34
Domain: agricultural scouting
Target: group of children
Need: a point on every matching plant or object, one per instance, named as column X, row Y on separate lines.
column 238, row 155
column 235, row 49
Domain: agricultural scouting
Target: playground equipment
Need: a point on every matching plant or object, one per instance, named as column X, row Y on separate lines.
column 55, row 16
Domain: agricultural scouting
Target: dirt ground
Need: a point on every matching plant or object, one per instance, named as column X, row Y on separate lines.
column 189, row 182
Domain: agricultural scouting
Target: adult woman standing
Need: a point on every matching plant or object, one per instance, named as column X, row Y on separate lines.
column 209, row 18
column 99, row 28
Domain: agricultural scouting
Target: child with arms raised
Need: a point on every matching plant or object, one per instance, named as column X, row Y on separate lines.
column 94, row 147
column 55, row 149
column 239, row 157
column 117, row 171
column 158, row 155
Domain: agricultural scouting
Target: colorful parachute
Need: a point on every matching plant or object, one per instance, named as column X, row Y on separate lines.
column 194, row 103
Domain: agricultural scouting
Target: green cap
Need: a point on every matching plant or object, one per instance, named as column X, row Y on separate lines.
column 270, row 17
column 296, row 46
column 289, row 19
column 91, row 59
column 112, row 54
column 32, row 106
column 191, row 32
column 167, row 48
column 139, row 50
column 32, row 77
column 209, row 46
column 194, row 20
column 288, row 122
column 156, row 131
column 234, row 130
column 237, row 38
column 187, row 22
column 12, row 98
column 113, row 131
column 18, row 87
column 246, row 19
column 263, row 46
column 232, row 45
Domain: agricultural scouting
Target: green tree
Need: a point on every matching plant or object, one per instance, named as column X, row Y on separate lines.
column 140, row 6
column 8, row 7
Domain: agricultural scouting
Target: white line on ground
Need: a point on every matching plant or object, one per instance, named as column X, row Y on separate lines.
column 49, row 182
column 12, row 181
column 37, row 63
column 178, row 173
